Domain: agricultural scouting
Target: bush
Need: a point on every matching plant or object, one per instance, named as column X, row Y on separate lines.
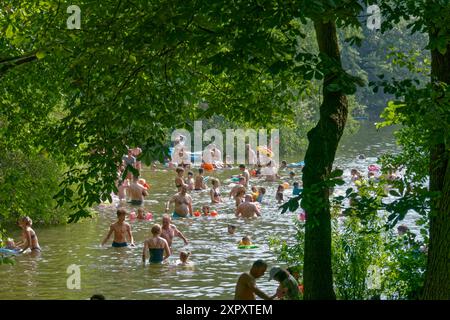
column 28, row 183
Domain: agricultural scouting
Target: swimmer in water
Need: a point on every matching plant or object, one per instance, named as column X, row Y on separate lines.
column 261, row 193
column 205, row 211
column 246, row 241
column 29, row 237
column 184, row 258
column 140, row 214
column 121, row 230
column 279, row 194
column 190, row 181
column 199, row 181
column 248, row 209
column 179, row 181
column 156, row 246
column 214, row 192
column 231, row 229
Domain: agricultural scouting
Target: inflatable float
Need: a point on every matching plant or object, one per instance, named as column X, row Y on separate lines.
column 296, row 164
column 251, row 246
column 8, row 252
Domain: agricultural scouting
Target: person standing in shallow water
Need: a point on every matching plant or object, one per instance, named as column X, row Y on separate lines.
column 183, row 203
column 169, row 231
column 156, row 246
column 121, row 230
column 246, row 288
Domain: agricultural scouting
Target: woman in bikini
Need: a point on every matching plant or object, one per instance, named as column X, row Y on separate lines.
column 156, row 247
column 30, row 239
column 214, row 192
column 179, row 180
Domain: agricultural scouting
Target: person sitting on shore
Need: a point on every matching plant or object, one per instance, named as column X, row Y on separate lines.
column 121, row 230
column 214, row 192
column 183, row 203
column 199, row 181
column 30, row 240
column 246, row 288
column 137, row 192
column 248, row 209
column 156, row 246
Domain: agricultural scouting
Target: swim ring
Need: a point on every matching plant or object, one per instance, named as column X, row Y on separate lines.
column 373, row 167
column 213, row 213
column 197, row 213
column 251, row 246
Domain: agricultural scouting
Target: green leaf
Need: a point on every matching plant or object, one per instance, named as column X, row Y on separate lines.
column 40, row 55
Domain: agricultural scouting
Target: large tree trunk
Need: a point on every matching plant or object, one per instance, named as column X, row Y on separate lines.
column 319, row 158
column 437, row 281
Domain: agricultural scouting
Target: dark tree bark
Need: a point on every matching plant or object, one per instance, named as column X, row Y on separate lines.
column 437, row 281
column 319, row 158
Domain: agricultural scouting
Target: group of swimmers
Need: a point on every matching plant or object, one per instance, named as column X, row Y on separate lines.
column 158, row 247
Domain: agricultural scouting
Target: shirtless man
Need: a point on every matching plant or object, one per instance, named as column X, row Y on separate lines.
column 183, row 203
column 137, row 192
column 246, row 288
column 169, row 231
column 199, row 181
column 121, row 229
column 248, row 209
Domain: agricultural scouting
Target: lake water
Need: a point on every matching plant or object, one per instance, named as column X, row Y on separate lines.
column 217, row 262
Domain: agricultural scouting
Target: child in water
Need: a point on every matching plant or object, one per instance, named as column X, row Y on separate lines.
column 215, row 192
column 184, row 258
column 231, row 229
column 255, row 193
column 296, row 190
column 279, row 195
column 246, row 241
column 261, row 193
column 190, row 180
column 205, row 211
column 121, row 230
column 140, row 214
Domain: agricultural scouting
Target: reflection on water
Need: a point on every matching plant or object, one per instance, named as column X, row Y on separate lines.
column 217, row 262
